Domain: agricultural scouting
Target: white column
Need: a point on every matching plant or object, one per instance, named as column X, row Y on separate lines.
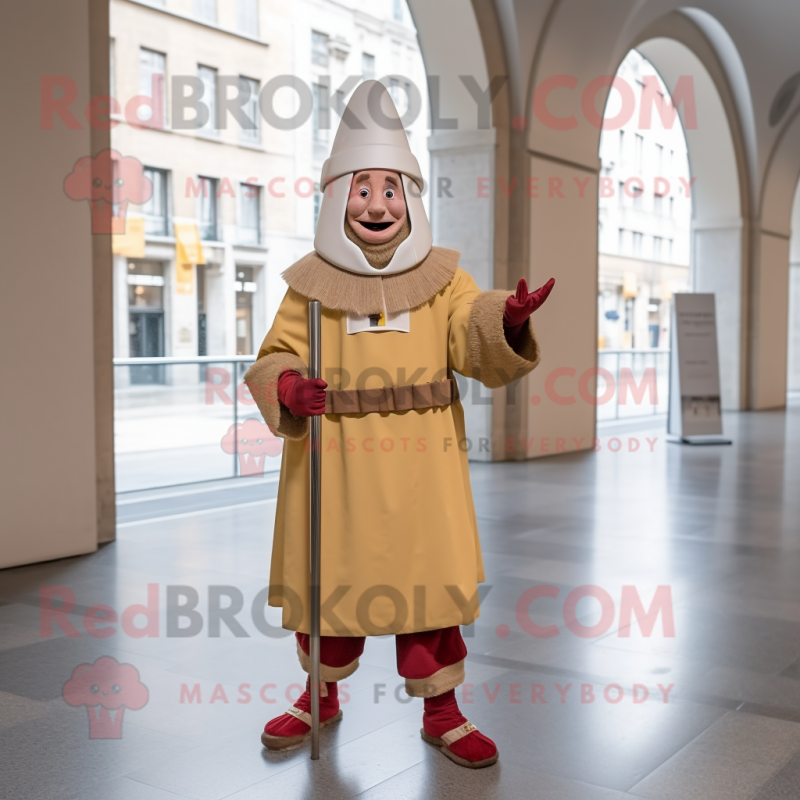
column 464, row 221
column 717, row 268
column 794, row 327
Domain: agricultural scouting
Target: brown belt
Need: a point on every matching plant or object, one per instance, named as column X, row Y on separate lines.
column 391, row 398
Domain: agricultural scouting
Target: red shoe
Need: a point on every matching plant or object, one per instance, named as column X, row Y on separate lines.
column 445, row 727
column 293, row 728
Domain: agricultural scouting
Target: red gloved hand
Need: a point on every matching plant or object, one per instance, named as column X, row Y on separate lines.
column 521, row 305
column 304, row 397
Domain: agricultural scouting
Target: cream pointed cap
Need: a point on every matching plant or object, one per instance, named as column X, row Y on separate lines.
column 370, row 136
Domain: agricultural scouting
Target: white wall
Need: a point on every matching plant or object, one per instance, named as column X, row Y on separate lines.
column 48, row 489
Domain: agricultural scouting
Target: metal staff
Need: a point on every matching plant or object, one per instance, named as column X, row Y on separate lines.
column 314, row 371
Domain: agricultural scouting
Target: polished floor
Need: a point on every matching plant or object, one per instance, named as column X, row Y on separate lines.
column 711, row 713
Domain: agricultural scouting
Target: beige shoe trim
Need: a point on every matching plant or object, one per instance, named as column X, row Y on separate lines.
column 303, row 716
column 457, row 733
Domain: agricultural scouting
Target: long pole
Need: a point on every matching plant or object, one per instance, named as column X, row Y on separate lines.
column 315, row 371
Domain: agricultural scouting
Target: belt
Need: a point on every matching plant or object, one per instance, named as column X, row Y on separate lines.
column 391, row 398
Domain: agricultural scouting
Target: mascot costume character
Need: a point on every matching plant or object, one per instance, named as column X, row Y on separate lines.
column 400, row 552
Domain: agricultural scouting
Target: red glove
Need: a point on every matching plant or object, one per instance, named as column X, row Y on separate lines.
column 304, row 397
column 521, row 305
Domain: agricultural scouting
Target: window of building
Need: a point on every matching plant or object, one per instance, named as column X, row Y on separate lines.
column 621, row 148
column 658, row 248
column 639, row 153
column 208, row 77
column 671, row 206
column 658, row 204
column 638, row 195
column 152, row 84
column 669, row 250
column 251, row 131
column 622, row 194
column 320, row 120
column 367, row 66
column 317, row 206
column 245, row 289
column 250, row 214
column 156, row 210
column 400, row 90
column 398, row 10
column 637, row 244
column 247, row 17
column 207, row 211
column 660, row 160
column 206, row 10
column 621, row 243
column 319, row 49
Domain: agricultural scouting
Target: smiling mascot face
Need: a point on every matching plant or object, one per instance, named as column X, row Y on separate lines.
column 371, row 188
column 376, row 208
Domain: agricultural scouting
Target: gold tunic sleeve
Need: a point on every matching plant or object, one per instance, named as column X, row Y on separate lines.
column 284, row 348
column 477, row 342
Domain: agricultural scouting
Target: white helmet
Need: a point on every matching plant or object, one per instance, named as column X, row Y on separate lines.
column 370, row 136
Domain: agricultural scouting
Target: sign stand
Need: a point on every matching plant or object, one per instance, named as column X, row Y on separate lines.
column 695, row 405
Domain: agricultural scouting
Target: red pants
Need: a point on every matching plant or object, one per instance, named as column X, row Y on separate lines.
column 432, row 662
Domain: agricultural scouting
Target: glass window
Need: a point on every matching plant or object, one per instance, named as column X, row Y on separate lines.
column 658, row 204
column 207, row 209
column 319, row 49
column 622, row 194
column 206, row 10
column 152, row 84
column 145, row 284
column 367, row 66
column 247, row 17
column 317, row 206
column 320, row 117
column 398, row 10
column 639, row 154
column 208, row 77
column 155, row 210
column 637, row 244
column 250, row 89
column 658, row 248
column 245, row 288
column 250, row 217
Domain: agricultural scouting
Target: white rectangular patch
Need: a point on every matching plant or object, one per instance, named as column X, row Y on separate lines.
column 400, row 322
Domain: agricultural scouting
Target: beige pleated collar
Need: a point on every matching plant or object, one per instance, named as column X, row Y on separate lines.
column 361, row 295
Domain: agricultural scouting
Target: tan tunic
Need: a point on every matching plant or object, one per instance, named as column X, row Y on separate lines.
column 400, row 549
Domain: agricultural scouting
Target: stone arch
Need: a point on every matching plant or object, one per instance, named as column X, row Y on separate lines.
column 593, row 47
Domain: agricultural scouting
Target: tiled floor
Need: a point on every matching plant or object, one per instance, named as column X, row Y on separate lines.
column 718, row 527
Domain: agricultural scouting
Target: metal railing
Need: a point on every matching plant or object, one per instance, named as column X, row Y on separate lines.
column 640, row 383
column 187, row 420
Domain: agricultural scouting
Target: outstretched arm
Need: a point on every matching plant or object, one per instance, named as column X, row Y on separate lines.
column 481, row 346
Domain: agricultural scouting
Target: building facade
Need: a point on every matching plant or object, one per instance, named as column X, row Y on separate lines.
column 230, row 107
column 644, row 227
